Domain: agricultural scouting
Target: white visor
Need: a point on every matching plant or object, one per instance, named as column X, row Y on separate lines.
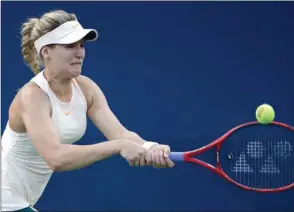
column 67, row 33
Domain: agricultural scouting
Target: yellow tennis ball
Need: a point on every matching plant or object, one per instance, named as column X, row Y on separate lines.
column 265, row 114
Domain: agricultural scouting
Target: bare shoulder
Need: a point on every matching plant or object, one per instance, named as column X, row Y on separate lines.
column 89, row 88
column 85, row 83
column 30, row 99
column 33, row 96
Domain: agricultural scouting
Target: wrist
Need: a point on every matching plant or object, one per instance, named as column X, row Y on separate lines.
column 148, row 144
column 120, row 145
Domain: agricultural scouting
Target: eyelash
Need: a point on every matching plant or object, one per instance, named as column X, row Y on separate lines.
column 73, row 46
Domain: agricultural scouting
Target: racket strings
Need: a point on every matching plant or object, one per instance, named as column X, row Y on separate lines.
column 263, row 163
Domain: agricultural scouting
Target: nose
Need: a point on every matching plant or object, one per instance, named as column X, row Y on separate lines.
column 80, row 52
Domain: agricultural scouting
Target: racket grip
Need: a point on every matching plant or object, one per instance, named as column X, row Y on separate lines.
column 176, row 156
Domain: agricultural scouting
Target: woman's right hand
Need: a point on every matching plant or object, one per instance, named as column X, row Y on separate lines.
column 134, row 153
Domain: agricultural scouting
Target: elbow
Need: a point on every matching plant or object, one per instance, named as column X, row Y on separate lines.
column 55, row 164
column 55, row 167
column 56, row 161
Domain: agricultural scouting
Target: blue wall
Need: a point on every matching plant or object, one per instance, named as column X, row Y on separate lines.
column 177, row 73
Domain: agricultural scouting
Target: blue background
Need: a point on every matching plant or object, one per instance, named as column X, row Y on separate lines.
column 180, row 73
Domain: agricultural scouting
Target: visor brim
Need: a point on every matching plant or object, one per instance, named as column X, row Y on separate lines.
column 82, row 34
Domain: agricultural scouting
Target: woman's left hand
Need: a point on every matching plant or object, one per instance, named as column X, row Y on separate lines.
column 159, row 156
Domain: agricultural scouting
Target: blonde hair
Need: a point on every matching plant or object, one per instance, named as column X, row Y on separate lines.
column 34, row 28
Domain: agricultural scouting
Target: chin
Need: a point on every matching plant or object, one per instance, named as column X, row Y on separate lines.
column 75, row 72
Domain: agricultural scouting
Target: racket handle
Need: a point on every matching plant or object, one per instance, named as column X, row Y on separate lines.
column 176, row 156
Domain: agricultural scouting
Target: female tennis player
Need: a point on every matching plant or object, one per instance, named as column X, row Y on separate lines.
column 49, row 114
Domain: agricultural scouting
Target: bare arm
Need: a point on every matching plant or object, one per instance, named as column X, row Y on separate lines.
column 39, row 125
column 101, row 115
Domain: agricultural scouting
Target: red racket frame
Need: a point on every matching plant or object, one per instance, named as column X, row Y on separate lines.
column 189, row 156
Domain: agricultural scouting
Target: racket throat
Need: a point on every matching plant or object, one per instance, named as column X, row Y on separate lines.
column 218, row 166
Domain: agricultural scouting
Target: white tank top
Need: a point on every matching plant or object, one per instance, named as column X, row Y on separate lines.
column 25, row 173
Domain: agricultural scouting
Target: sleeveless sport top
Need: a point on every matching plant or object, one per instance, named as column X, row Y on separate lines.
column 25, row 173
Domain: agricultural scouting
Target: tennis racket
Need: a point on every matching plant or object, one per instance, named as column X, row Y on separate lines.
column 253, row 156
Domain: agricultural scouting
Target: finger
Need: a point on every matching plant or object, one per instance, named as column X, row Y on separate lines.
column 166, row 150
column 137, row 161
column 162, row 159
column 142, row 160
column 148, row 158
column 131, row 162
column 155, row 160
column 158, row 160
column 169, row 162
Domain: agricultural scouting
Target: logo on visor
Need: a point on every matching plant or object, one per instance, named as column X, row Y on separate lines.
column 75, row 24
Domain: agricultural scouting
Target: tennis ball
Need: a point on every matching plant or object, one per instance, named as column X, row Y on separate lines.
column 265, row 114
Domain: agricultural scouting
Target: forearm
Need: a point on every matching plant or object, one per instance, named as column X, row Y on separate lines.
column 69, row 157
column 132, row 136
column 135, row 137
